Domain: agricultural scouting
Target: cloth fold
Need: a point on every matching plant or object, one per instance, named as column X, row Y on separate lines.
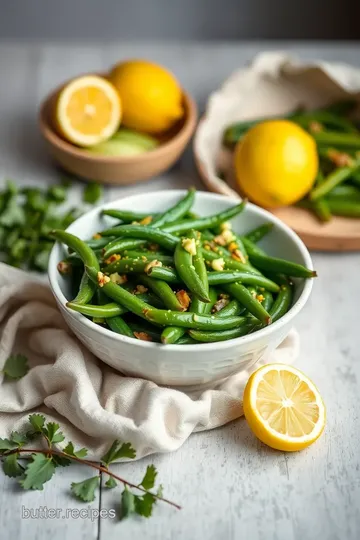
column 93, row 403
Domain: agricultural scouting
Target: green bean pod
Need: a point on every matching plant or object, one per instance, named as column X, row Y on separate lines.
column 126, row 216
column 165, row 274
column 185, row 268
column 346, row 208
column 345, row 191
column 86, row 254
column 334, row 179
column 131, row 266
column 118, row 245
column 230, row 264
column 209, row 222
column 163, row 291
column 257, row 234
column 118, row 325
column 198, row 261
column 150, row 234
column 86, row 291
column 241, row 293
column 220, row 278
column 177, row 211
column 346, row 141
column 282, row 302
column 223, row 335
column 104, row 311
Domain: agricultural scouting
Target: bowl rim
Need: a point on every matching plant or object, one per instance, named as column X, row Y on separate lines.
column 220, row 345
column 50, row 135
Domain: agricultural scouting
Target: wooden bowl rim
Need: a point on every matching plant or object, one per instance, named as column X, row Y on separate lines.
column 54, row 139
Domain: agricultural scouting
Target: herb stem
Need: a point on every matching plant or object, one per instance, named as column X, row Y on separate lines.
column 92, row 464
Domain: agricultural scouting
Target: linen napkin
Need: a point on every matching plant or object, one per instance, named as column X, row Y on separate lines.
column 93, row 403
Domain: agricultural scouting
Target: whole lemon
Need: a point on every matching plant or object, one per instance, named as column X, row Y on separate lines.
column 151, row 96
column 276, row 163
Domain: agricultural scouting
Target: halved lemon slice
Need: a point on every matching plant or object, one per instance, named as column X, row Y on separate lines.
column 283, row 407
column 88, row 110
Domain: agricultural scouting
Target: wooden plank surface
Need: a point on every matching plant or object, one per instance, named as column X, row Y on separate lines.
column 230, row 485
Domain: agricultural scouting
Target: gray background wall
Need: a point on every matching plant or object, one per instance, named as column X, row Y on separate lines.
column 109, row 20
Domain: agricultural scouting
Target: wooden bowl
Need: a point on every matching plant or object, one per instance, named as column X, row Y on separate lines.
column 112, row 169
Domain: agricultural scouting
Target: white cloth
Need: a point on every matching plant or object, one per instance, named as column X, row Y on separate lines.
column 93, row 403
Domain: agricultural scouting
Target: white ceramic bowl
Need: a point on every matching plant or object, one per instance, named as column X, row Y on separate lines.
column 183, row 365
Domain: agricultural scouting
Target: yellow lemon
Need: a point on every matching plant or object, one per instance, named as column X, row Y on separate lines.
column 88, row 110
column 150, row 95
column 283, row 407
column 276, row 163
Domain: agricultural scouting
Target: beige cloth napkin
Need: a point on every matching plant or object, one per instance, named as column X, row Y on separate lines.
column 93, row 403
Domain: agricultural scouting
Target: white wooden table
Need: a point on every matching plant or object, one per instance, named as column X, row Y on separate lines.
column 231, row 486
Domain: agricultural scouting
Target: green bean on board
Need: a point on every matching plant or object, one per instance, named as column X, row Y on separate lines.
column 335, row 178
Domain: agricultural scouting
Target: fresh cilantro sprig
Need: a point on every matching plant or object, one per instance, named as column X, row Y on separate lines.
column 34, row 467
column 16, row 366
column 28, row 214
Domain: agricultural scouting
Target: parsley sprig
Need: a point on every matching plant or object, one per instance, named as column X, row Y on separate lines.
column 33, row 467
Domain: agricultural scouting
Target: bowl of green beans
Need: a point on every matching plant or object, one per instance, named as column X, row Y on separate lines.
column 181, row 288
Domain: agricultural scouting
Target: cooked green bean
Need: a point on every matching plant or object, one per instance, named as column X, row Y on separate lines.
column 149, row 331
column 223, row 335
column 344, row 191
column 104, row 311
column 198, row 261
column 150, row 234
column 257, row 234
column 220, row 278
column 127, row 216
column 86, row 291
column 131, row 266
column 163, row 291
column 282, row 302
column 346, row 208
column 233, row 308
column 346, row 141
column 165, row 274
column 86, row 254
column 118, row 325
column 119, row 245
column 177, row 211
column 274, row 264
column 230, row 264
column 335, row 178
column 161, row 316
column 241, row 293
column 209, row 222
column 185, row 268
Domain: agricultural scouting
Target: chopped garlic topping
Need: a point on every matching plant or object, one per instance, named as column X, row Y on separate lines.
column 151, row 264
column 189, row 245
column 146, row 220
column 226, row 226
column 102, row 279
column 218, row 264
column 119, row 280
column 113, row 258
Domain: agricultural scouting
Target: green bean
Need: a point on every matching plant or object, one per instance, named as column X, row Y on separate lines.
column 165, row 274
column 230, row 264
column 118, row 325
column 346, row 208
column 131, row 266
column 198, row 261
column 209, row 222
column 223, row 335
column 126, row 216
column 346, row 141
column 335, row 177
column 150, row 234
column 97, row 243
column 219, row 278
column 122, row 244
column 345, row 191
column 186, row 340
column 326, row 118
column 282, row 302
column 232, row 308
column 257, row 234
column 86, row 254
column 355, row 178
column 274, row 264
column 172, row 334
column 149, row 329
column 185, row 268
column 241, row 293
column 161, row 316
column 177, row 211
column 104, row 311
column 145, row 254
column 86, row 291
column 163, row 291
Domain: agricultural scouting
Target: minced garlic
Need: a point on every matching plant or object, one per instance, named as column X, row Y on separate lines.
column 151, row 264
column 189, row 245
column 218, row 264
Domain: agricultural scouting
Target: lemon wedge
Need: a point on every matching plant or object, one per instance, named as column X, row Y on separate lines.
column 88, row 110
column 283, row 407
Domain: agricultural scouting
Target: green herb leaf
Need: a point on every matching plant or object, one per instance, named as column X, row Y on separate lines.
column 16, row 366
column 85, row 491
column 37, row 422
column 144, row 505
column 148, row 481
column 117, row 451
column 52, row 432
column 13, row 214
column 92, row 193
column 60, row 461
column 111, row 482
column 39, row 471
column 127, row 503
column 70, row 450
column 11, row 466
column 7, row 444
column 57, row 193
column 18, row 438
